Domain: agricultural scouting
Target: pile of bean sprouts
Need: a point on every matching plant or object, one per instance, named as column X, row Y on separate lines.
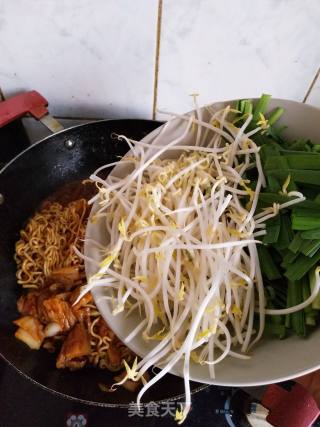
column 183, row 234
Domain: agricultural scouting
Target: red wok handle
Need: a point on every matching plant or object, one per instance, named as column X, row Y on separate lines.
column 294, row 408
column 28, row 103
column 20, row 105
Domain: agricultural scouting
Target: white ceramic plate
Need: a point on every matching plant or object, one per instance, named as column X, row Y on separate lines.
column 272, row 360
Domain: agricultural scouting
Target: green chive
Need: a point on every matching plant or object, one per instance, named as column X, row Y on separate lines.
column 301, row 266
column 311, row 234
column 302, row 176
column 303, row 161
column 273, row 230
column 260, row 107
column 268, row 267
column 312, row 282
column 275, row 329
column 296, row 243
column 310, row 247
column 289, row 258
column 275, row 115
column 275, row 163
column 273, row 184
column 286, row 234
column 298, row 318
column 305, row 223
column 248, row 107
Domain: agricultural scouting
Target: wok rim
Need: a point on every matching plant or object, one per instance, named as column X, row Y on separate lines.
column 199, row 388
column 27, row 377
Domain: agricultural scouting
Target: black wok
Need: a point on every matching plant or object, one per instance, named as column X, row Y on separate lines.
column 35, row 174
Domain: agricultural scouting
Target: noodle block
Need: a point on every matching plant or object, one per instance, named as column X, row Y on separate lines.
column 27, row 304
column 60, row 312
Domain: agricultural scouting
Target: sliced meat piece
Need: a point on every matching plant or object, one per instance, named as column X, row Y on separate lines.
column 86, row 299
column 56, row 288
column 60, row 312
column 65, row 276
column 103, row 329
column 75, row 349
column 83, row 315
column 30, row 331
column 42, row 312
column 80, row 310
column 27, row 304
column 75, row 364
column 64, row 296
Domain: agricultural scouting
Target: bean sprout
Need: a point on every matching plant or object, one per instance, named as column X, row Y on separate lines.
column 182, row 245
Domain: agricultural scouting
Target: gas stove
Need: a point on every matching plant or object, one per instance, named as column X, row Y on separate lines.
column 24, row 404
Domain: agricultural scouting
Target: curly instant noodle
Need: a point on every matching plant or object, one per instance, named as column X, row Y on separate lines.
column 52, row 275
column 47, row 241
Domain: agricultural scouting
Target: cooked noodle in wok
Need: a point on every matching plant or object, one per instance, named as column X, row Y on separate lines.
column 51, row 273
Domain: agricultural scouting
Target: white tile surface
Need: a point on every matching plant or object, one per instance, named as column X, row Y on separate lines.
column 89, row 58
column 314, row 96
column 229, row 49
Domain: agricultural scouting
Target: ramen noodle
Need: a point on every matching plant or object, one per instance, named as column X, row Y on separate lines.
column 52, row 275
